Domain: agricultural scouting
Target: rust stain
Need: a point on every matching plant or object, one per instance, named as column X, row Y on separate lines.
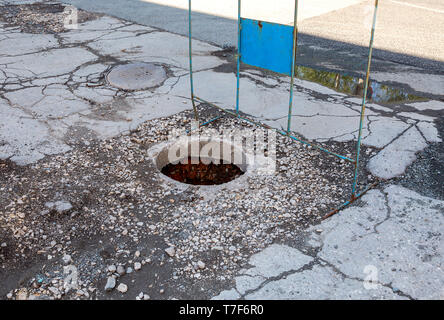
column 330, row 214
column 353, row 199
column 259, row 23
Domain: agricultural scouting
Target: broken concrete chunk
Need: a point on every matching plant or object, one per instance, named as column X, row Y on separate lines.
column 59, row 206
column 170, row 251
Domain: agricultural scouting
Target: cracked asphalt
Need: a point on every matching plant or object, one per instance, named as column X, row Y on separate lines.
column 333, row 35
column 374, row 251
column 78, row 189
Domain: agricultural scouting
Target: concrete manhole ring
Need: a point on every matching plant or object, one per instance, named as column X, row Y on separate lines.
column 136, row 76
column 225, row 159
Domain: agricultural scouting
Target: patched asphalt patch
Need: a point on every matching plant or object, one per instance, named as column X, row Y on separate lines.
column 426, row 174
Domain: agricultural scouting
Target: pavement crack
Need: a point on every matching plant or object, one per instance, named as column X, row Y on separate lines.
column 281, row 276
column 345, row 276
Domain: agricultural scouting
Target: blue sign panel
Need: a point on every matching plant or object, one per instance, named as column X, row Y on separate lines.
column 266, row 45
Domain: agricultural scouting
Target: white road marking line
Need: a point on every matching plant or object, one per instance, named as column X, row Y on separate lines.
column 416, row 6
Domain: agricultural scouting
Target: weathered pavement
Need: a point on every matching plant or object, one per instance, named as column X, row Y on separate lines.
column 54, row 100
column 391, row 247
column 334, row 35
column 36, row 76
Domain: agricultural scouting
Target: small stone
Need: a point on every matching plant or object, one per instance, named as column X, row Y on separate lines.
column 161, row 291
column 120, row 270
column 319, row 230
column 59, row 206
column 9, row 295
column 54, row 291
column 67, row 259
column 4, row 245
column 22, row 294
column 122, row 288
column 110, row 284
column 170, row 251
column 146, row 297
column 135, row 140
column 201, row 264
column 137, row 266
column 137, row 253
column 112, row 268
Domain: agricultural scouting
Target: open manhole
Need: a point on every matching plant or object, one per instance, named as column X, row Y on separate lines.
column 202, row 162
column 136, row 76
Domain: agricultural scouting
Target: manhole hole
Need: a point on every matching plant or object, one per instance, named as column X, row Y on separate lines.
column 136, row 76
column 201, row 173
column 210, row 162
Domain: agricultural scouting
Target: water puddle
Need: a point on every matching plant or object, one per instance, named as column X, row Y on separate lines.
column 378, row 93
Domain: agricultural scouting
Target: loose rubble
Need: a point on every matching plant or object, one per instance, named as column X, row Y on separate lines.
column 123, row 288
column 100, row 209
column 125, row 199
column 110, row 284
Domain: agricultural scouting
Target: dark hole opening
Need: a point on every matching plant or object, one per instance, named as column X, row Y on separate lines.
column 202, row 173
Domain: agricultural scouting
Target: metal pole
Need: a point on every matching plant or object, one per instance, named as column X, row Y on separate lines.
column 282, row 132
column 293, row 64
column 331, row 213
column 238, row 53
column 358, row 145
column 196, row 115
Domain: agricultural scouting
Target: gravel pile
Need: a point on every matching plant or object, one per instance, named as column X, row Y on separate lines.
column 42, row 17
column 108, row 195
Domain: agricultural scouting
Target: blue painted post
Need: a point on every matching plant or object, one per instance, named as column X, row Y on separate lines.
column 196, row 116
column 361, row 123
column 293, row 65
column 238, row 53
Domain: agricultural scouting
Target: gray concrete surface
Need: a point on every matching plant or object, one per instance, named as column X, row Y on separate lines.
column 37, row 77
column 391, row 247
column 54, row 99
column 409, row 35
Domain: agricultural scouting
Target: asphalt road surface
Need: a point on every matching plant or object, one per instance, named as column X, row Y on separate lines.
column 334, row 35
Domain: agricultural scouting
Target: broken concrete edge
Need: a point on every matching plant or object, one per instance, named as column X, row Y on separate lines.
column 347, row 259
